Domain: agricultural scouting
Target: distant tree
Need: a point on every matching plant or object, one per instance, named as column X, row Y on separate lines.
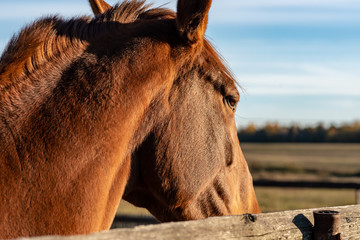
column 273, row 132
column 293, row 134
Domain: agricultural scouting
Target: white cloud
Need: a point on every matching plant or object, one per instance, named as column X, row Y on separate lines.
column 285, row 11
column 292, row 84
column 300, row 78
column 345, row 104
column 289, row 3
column 278, row 16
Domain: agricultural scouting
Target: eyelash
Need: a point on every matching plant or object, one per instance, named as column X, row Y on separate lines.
column 231, row 102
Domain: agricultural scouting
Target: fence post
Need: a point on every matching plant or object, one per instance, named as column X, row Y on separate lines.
column 357, row 195
column 326, row 225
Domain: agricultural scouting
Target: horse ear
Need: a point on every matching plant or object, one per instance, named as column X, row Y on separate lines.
column 99, row 6
column 192, row 18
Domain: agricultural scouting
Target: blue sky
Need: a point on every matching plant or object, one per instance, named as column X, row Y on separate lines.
column 298, row 61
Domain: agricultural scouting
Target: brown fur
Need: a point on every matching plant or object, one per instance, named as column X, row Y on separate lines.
column 135, row 98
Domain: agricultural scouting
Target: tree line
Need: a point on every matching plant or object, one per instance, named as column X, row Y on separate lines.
column 273, row 132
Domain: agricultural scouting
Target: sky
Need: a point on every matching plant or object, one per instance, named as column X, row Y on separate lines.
column 298, row 62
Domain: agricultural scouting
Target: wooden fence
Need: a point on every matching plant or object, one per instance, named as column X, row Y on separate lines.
column 296, row 224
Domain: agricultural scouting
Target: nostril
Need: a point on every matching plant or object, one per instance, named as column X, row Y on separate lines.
column 229, row 162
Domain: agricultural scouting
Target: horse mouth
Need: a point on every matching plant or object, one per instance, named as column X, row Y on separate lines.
column 215, row 201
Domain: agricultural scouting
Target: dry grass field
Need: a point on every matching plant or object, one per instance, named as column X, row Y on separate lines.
column 280, row 199
column 303, row 161
column 339, row 162
column 293, row 162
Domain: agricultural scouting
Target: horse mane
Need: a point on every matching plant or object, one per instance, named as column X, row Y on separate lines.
column 133, row 10
column 53, row 38
column 36, row 45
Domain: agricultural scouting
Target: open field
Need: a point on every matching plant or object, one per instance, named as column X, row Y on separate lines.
column 340, row 162
column 280, row 199
column 303, row 161
column 126, row 208
column 294, row 162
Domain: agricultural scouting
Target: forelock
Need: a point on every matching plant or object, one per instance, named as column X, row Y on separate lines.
column 133, row 10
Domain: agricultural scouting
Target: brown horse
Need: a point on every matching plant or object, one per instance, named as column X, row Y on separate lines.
column 134, row 103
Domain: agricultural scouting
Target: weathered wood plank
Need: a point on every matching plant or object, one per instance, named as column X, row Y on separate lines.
column 281, row 225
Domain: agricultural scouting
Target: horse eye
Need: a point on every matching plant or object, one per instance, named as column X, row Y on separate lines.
column 231, row 102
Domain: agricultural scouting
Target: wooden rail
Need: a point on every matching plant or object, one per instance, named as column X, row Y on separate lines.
column 296, row 224
column 307, row 184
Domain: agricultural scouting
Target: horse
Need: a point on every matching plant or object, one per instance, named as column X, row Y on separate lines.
column 133, row 103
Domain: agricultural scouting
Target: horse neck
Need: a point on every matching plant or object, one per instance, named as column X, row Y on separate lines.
column 76, row 137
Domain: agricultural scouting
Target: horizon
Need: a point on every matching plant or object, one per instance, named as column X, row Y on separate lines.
column 297, row 61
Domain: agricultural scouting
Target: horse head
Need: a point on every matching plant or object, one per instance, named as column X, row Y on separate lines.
column 190, row 164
